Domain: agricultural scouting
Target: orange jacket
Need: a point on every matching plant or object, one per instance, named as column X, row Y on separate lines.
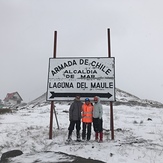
column 87, row 113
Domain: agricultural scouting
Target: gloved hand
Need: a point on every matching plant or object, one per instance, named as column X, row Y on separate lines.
column 70, row 119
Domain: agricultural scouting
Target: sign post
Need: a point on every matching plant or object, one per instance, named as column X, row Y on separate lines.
column 87, row 76
column 111, row 104
column 52, row 102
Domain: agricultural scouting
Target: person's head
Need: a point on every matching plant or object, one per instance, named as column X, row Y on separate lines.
column 87, row 101
column 77, row 96
column 95, row 99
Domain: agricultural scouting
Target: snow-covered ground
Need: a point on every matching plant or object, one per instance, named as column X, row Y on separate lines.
column 138, row 135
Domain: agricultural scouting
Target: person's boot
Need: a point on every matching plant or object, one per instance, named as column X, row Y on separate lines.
column 88, row 137
column 69, row 136
column 78, row 136
column 96, row 136
column 83, row 136
column 101, row 137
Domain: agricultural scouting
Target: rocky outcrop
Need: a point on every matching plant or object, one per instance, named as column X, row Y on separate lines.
column 10, row 154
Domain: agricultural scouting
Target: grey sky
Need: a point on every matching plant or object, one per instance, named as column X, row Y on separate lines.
column 26, row 42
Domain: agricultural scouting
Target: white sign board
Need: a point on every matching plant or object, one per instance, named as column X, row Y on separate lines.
column 85, row 76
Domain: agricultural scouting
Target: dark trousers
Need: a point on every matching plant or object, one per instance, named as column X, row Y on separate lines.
column 86, row 127
column 97, row 125
column 72, row 125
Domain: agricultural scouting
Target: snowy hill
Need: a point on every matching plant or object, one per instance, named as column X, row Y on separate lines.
column 138, row 133
column 122, row 98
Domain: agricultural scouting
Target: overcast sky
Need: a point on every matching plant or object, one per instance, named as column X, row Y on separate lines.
column 27, row 38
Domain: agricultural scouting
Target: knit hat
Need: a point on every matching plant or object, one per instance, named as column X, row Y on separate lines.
column 95, row 98
column 77, row 95
column 87, row 99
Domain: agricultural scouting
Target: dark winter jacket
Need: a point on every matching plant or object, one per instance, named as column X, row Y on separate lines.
column 75, row 110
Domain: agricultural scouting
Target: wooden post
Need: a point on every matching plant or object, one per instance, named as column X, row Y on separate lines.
column 111, row 104
column 52, row 102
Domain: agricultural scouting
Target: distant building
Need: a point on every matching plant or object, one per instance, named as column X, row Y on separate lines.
column 12, row 99
column 1, row 104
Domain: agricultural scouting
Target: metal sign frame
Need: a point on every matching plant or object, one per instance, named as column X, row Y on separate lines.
column 87, row 76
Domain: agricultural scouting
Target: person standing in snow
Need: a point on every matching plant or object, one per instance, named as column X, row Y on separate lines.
column 97, row 119
column 75, row 117
column 87, row 115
